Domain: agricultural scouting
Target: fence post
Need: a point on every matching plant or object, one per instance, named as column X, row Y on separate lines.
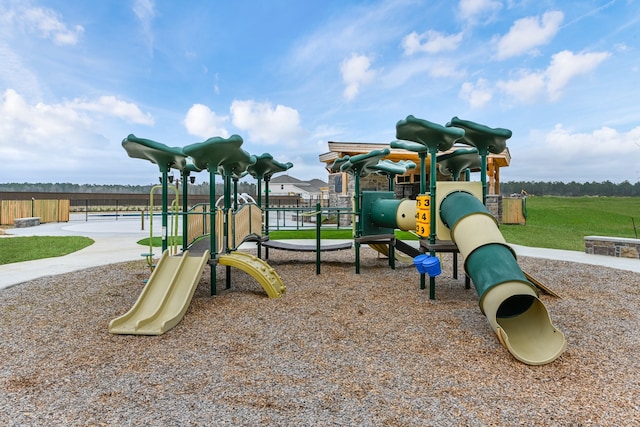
column 318, row 221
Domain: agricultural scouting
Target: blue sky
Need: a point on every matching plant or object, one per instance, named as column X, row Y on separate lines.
column 76, row 77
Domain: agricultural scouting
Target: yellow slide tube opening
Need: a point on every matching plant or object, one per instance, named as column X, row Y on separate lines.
column 522, row 323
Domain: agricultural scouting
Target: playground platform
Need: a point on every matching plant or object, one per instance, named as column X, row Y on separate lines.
column 295, row 245
column 116, row 241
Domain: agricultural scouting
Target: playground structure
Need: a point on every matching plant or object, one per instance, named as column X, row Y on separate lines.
column 169, row 290
column 456, row 220
column 450, row 217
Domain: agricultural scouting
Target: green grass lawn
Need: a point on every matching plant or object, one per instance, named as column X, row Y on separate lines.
column 552, row 222
column 563, row 222
column 17, row 249
column 156, row 242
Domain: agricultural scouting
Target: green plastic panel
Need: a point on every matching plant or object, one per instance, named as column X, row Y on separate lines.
column 372, row 223
column 384, row 212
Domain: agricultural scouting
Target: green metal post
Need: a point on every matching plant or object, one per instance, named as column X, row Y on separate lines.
column 267, row 178
column 212, row 236
column 423, row 190
column 235, row 193
column 259, row 193
column 423, row 172
column 432, row 193
column 259, row 200
column 165, row 191
column 433, row 151
column 226, row 228
column 185, row 207
column 358, row 228
column 225, row 210
column 483, row 173
column 318, row 221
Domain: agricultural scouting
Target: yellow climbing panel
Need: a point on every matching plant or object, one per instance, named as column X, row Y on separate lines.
column 258, row 269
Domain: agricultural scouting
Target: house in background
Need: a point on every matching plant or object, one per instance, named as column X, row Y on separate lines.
column 312, row 191
column 408, row 184
column 341, row 184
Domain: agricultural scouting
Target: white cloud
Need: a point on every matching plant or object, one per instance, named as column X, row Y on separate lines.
column 528, row 33
column 400, row 73
column 478, row 94
column 216, row 88
column 601, row 154
column 355, row 73
column 201, row 121
column 473, row 10
column 445, row 68
column 54, row 140
column 356, row 28
column 602, row 141
column 53, row 125
column 15, row 74
column 48, row 23
column 526, row 89
column 566, row 65
column 43, row 118
column 267, row 124
column 19, row 23
column 430, row 42
column 530, row 86
column 145, row 12
column 112, row 106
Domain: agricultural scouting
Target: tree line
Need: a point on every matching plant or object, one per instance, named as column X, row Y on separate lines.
column 538, row 188
column 200, row 188
column 571, row 189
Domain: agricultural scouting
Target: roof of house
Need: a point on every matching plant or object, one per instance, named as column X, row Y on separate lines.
column 286, row 179
column 313, row 185
column 317, row 184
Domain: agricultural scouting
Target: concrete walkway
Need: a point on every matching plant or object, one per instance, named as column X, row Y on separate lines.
column 579, row 257
column 115, row 241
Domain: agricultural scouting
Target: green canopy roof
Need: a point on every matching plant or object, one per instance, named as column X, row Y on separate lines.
column 164, row 156
column 484, row 138
column 426, row 133
column 222, row 155
column 363, row 164
column 389, row 167
column 455, row 162
column 266, row 166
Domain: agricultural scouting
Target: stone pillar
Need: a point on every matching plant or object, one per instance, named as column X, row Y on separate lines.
column 494, row 205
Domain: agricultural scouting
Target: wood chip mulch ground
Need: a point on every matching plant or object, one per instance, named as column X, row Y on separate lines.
column 337, row 349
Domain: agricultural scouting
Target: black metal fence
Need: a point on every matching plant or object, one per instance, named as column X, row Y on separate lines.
column 300, row 217
column 83, row 206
